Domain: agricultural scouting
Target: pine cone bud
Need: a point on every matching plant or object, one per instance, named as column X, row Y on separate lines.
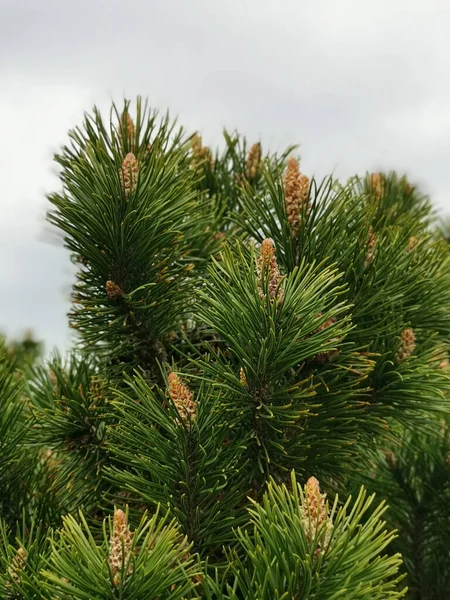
column 200, row 154
column 243, row 378
column 127, row 124
column 252, row 162
column 17, row 565
column 129, row 174
column 315, row 501
column 376, row 184
column 120, row 546
column 412, row 243
column 371, row 243
column 296, row 191
column 407, row 345
column 269, row 273
column 182, row 397
column 113, row 291
column 315, row 514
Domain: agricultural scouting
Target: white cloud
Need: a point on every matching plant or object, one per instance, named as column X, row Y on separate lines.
column 361, row 85
column 34, row 276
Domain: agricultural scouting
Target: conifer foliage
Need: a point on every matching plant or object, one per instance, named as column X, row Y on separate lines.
column 252, row 345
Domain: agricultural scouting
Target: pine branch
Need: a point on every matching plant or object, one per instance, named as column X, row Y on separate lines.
column 135, row 239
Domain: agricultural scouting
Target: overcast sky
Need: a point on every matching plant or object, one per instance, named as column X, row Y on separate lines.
column 361, row 85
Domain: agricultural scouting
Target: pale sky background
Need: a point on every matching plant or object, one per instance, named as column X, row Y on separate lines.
column 361, row 85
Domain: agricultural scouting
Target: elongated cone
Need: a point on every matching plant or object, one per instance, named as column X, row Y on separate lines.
column 200, row 154
column 17, row 565
column 243, row 378
column 268, row 271
column 376, row 184
column 129, row 174
column 296, row 191
column 371, row 244
column 315, row 515
column 113, row 291
column 412, row 243
column 407, row 345
column 182, row 397
column 252, row 162
column 120, row 546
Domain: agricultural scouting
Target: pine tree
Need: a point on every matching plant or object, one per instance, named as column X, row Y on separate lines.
column 25, row 352
column 412, row 474
column 250, row 343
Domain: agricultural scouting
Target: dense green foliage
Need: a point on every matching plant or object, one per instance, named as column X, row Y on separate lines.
column 250, row 342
